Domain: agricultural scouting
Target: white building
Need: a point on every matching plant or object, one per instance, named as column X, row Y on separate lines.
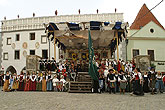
column 26, row 36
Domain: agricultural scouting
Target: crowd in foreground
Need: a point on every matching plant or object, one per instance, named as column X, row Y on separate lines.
column 113, row 77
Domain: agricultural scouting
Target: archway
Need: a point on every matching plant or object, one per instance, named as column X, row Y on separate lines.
column 11, row 69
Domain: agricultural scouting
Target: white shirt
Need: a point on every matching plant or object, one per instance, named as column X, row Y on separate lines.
column 106, row 72
column 124, row 79
column 63, row 80
column 55, row 80
column 139, row 74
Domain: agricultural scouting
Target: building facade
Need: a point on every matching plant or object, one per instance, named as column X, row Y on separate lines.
column 26, row 36
column 147, row 37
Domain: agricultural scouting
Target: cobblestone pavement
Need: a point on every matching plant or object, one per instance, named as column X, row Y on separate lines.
column 78, row 101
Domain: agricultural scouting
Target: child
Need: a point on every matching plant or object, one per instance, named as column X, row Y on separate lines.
column 55, row 80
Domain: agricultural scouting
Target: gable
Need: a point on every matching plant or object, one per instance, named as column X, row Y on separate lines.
column 150, row 30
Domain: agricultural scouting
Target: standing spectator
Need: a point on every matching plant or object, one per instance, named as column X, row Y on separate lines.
column 117, row 82
column 6, row 80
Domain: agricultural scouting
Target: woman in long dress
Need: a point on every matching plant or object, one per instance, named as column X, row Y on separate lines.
column 21, row 82
column 16, row 82
column 27, row 85
column 44, row 82
column 122, row 79
column 145, row 82
column 6, row 83
column 137, row 86
column 39, row 82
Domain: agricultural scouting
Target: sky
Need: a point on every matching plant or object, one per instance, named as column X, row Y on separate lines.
column 130, row 8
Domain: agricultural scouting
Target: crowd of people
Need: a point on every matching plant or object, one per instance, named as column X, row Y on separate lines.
column 125, row 77
column 113, row 77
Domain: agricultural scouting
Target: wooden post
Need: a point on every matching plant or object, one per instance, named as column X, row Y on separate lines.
column 117, row 45
column 54, row 46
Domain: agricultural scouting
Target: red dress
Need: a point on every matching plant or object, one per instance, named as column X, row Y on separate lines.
column 33, row 83
column 27, row 85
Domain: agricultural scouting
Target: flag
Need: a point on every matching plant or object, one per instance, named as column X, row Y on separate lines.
column 92, row 63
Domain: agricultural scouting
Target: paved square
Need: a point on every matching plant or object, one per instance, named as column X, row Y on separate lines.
column 75, row 101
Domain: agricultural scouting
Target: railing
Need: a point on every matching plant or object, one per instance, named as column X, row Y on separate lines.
column 37, row 22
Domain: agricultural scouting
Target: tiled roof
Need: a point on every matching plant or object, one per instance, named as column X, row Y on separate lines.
column 144, row 17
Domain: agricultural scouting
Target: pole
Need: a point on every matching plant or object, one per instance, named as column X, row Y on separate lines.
column 54, row 46
column 117, row 45
column 49, row 48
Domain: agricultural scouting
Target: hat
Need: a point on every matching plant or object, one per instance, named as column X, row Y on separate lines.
column 111, row 70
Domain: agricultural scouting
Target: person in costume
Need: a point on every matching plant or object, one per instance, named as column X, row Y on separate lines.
column 27, row 84
column 117, row 81
column 145, row 82
column 137, row 86
column 11, row 81
column 16, row 82
column 39, row 82
column 112, row 81
column 63, row 82
column 49, row 81
column 129, row 85
column 159, row 82
column 21, row 82
column 123, row 82
column 164, row 82
column 1, row 80
column 55, row 81
column 44, row 82
column 33, row 82
column 6, row 82
column 101, row 79
column 152, row 77
column 105, row 78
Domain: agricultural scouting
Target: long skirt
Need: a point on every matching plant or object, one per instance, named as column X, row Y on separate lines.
column 44, row 85
column 15, row 85
column 49, row 85
column 6, row 86
column 129, row 87
column 146, row 87
column 39, row 86
column 152, row 84
column 21, row 86
column 27, row 86
column 137, row 88
column 159, row 85
column 123, row 85
column 33, row 85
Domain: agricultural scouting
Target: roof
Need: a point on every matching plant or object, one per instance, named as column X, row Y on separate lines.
column 79, row 39
column 144, row 17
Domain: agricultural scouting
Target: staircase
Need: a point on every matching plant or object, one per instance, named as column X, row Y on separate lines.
column 83, row 83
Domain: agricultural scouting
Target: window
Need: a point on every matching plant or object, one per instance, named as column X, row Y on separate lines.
column 135, row 52
column 17, row 55
column 152, row 30
column 32, row 52
column 32, row 36
column 9, row 41
column 43, row 39
column 5, row 56
column 151, row 53
column 45, row 54
column 17, row 37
